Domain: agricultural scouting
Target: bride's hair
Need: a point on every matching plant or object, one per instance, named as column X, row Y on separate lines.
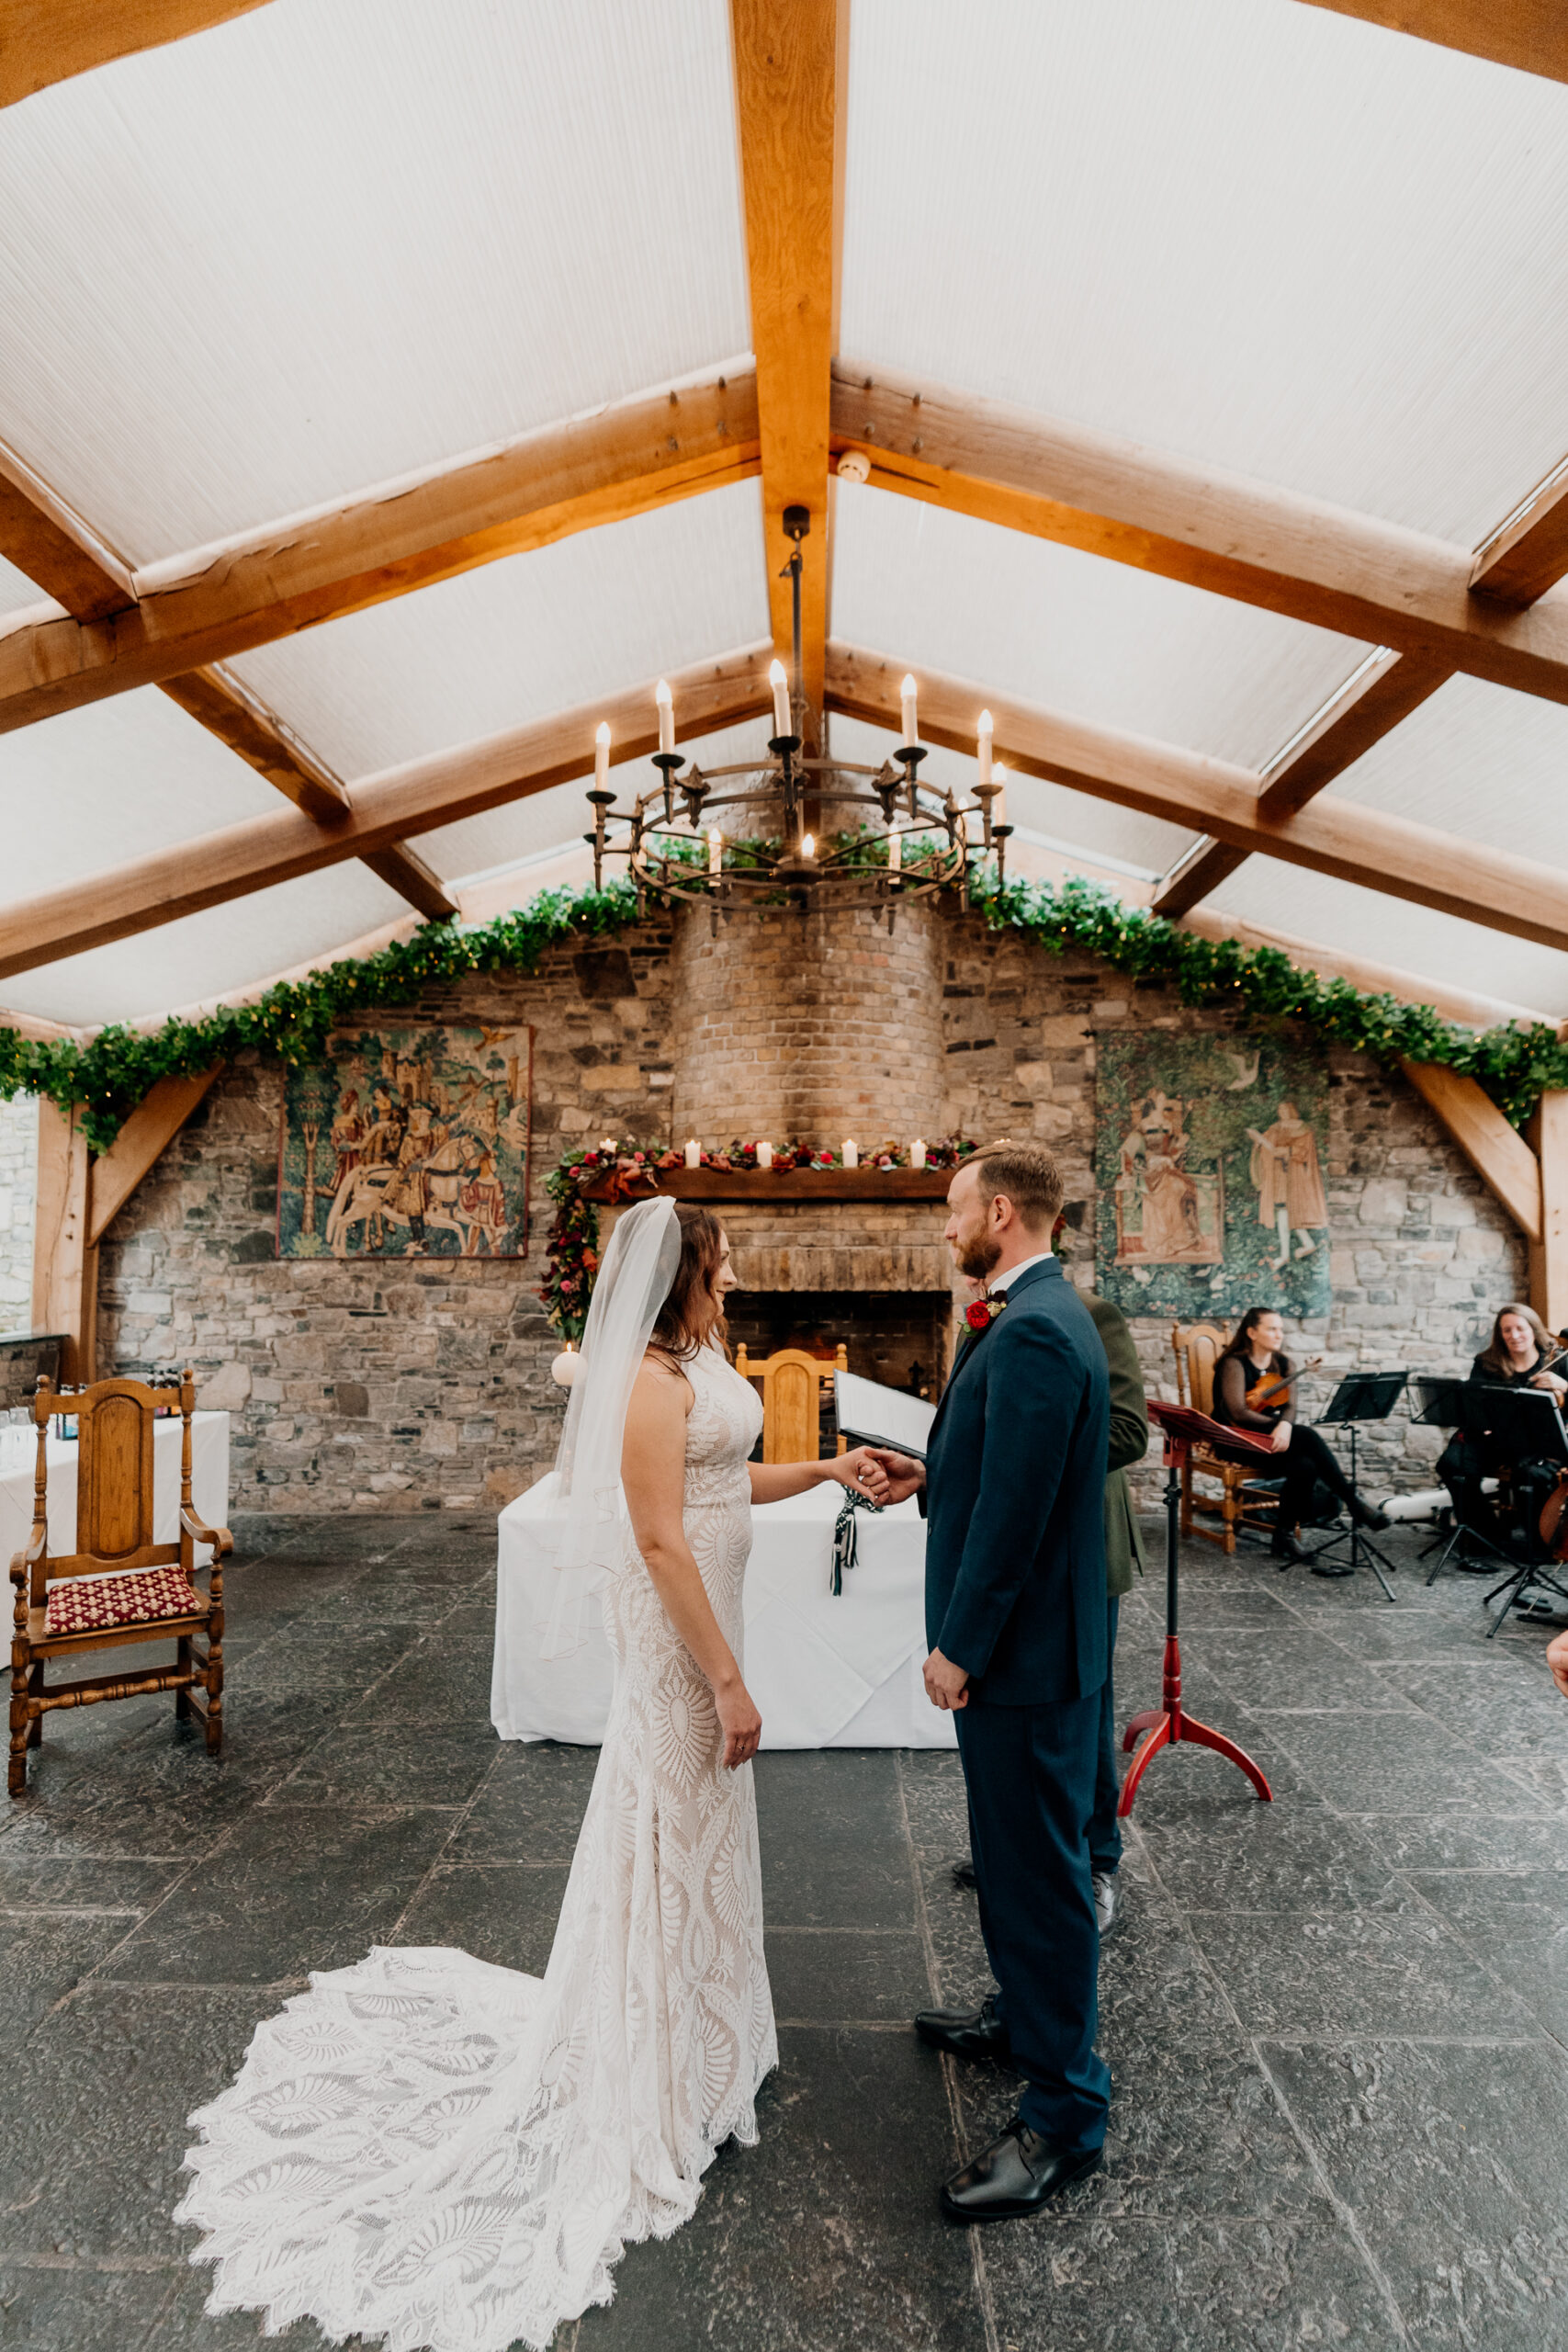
column 687, row 1317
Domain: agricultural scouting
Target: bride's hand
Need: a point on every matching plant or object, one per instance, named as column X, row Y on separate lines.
column 740, row 1722
column 861, row 1471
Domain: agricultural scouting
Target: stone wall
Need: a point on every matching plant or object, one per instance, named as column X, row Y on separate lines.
column 423, row 1383
column 18, row 1187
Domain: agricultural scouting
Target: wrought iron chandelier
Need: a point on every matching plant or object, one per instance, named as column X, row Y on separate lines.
column 741, row 835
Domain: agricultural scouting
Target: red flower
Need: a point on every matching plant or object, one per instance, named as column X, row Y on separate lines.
column 984, row 1313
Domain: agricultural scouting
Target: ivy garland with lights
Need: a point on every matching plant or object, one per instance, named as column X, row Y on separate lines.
column 109, row 1075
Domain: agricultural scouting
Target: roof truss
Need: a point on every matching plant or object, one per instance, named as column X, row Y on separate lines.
column 49, row 41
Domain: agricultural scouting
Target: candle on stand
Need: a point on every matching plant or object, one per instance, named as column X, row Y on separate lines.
column 663, row 698
column 601, row 755
column 563, row 1370
column 983, row 747
column 716, row 852
column 694, row 1153
column 809, row 844
column 918, row 1152
column 764, row 1155
column 852, row 1152
column 907, row 719
column 780, row 685
column 999, row 805
column 895, row 852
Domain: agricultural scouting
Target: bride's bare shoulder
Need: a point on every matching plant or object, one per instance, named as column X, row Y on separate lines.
column 661, row 1374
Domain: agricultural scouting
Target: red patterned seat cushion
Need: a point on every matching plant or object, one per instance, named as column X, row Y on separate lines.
column 136, row 1597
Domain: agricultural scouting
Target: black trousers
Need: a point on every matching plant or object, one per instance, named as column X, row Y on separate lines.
column 1030, row 1773
column 1104, row 1829
column 1305, row 1460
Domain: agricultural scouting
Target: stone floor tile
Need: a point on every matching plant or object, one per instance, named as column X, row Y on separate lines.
column 1451, row 2160
column 1305, row 1674
column 79, row 2308
column 1491, row 1705
column 1397, row 1970
column 845, row 1976
column 1390, row 1764
column 31, row 1883
column 292, row 1889
column 503, row 1912
column 183, row 2325
column 1281, row 1856
column 531, row 1806
column 823, row 2238
column 42, row 1958
column 437, row 1681
column 833, row 1833
column 395, row 1763
column 1459, row 1841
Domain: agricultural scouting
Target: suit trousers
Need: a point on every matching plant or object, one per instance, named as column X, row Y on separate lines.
column 1030, row 1773
column 1104, row 1829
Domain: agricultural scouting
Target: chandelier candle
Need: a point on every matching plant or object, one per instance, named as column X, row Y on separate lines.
column 716, row 853
column 601, row 755
column 983, row 750
column 895, row 852
column 780, row 685
column 907, row 719
column 662, row 696
column 999, row 805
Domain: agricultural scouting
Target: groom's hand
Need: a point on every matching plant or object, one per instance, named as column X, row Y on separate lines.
column 947, row 1686
column 904, row 1478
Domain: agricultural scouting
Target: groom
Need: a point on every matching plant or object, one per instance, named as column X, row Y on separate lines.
column 1014, row 1482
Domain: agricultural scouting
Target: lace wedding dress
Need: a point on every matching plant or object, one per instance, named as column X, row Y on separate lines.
column 434, row 2150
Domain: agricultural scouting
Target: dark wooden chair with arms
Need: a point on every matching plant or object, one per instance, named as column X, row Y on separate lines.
column 1241, row 1501
column 119, row 1586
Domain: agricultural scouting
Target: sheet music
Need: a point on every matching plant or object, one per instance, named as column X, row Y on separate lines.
column 869, row 1414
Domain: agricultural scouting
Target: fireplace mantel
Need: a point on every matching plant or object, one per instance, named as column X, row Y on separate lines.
column 760, row 1188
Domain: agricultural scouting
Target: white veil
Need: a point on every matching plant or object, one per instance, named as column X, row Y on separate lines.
column 587, row 1536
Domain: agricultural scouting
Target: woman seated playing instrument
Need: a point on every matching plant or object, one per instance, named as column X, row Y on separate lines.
column 1255, row 1389
column 1518, row 1355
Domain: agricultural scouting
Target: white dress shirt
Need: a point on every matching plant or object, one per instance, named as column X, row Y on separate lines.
column 1000, row 1281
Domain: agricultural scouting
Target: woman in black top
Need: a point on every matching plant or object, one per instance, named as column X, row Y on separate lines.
column 1255, row 1355
column 1515, row 1356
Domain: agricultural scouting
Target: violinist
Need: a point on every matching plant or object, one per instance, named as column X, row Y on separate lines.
column 1255, row 1389
column 1520, row 1354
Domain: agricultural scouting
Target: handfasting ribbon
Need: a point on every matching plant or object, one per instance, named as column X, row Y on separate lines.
column 845, row 1537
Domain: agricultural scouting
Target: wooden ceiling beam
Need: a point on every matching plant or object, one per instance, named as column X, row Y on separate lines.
column 1531, row 35
column 1328, row 836
column 44, row 41
column 1529, row 554
column 206, row 608
column 227, row 709
column 789, row 113
column 42, row 537
column 383, row 809
column 1233, row 536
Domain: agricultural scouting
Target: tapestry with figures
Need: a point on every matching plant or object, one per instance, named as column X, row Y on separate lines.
column 1210, row 1164
column 407, row 1143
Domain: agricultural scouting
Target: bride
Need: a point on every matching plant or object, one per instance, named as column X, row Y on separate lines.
column 435, row 2151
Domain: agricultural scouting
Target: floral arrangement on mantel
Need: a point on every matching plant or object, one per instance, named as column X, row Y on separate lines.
column 572, row 1251
column 111, row 1073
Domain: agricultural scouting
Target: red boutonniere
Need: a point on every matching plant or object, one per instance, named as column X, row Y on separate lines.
column 984, row 1313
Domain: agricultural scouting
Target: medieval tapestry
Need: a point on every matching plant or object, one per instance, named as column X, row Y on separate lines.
column 407, row 1143
column 1210, row 1175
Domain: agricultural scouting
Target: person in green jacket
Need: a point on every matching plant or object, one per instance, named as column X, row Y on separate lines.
column 1124, row 1553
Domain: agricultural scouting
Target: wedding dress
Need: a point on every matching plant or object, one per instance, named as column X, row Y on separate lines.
column 434, row 2150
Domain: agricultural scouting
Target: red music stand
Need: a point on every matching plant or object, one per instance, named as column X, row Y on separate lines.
column 1181, row 1428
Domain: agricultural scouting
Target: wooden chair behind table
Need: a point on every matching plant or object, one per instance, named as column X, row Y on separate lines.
column 1240, row 1502
column 119, row 1586
column 793, row 1387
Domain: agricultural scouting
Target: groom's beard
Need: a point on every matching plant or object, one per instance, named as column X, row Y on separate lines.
column 976, row 1258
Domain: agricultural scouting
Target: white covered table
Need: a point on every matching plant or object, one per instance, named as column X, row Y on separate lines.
column 825, row 1672
column 209, row 1486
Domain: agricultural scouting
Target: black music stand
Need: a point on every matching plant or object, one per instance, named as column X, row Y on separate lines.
column 1361, row 1396
column 1444, row 1403
column 1528, row 1427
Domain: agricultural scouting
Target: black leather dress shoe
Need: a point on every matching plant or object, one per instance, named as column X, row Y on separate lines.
column 1285, row 1551
column 1016, row 2175
column 967, row 2033
column 964, row 1871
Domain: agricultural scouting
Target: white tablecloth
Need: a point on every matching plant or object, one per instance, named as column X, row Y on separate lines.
column 209, row 1486
column 825, row 1672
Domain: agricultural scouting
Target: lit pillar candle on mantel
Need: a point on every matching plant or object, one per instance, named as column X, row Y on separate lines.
column 982, row 748
column 907, row 719
column 918, row 1152
column 716, row 853
column 665, row 701
column 780, row 685
column 852, row 1152
column 602, row 757
column 694, row 1153
column 764, row 1155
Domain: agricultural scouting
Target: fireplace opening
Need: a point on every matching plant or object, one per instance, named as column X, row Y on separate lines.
column 899, row 1338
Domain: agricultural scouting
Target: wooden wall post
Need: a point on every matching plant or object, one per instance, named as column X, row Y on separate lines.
column 1549, row 1255
column 65, row 1263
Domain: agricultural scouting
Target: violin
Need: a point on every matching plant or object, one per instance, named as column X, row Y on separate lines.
column 1271, row 1385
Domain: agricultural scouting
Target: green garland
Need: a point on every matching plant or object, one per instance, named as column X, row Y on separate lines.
column 110, row 1075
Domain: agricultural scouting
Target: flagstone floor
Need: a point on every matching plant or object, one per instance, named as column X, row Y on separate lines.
column 1338, row 2026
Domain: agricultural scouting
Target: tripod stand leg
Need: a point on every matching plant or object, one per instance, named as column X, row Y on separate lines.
column 1205, row 1737
column 1377, row 1569
column 1158, row 1736
column 1138, row 1724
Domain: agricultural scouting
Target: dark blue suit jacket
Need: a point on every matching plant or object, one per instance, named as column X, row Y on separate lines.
column 1015, row 1502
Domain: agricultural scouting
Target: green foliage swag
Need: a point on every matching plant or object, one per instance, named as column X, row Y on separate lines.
column 111, row 1074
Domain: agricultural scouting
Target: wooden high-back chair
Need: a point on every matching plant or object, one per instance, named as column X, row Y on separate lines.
column 118, row 1585
column 1240, row 1503
column 792, row 1385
